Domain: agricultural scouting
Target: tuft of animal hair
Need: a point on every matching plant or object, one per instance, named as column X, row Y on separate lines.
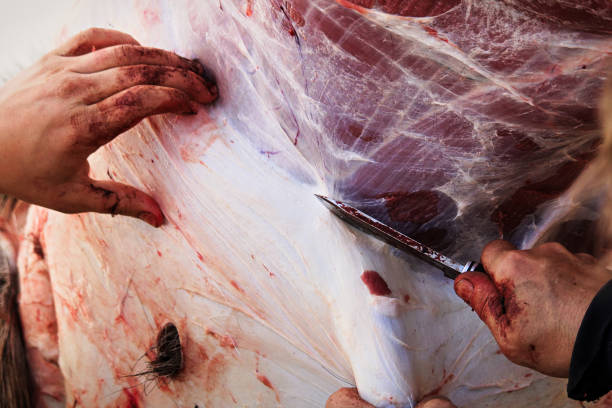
column 16, row 390
column 168, row 360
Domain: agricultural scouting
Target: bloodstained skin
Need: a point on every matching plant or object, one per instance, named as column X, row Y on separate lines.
column 375, row 283
column 417, row 207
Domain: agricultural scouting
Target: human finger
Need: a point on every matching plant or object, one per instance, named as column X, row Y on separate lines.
column 114, row 80
column 478, row 290
column 493, row 255
column 435, row 402
column 112, row 198
column 586, row 258
column 127, row 54
column 119, row 112
column 93, row 39
column 346, row 398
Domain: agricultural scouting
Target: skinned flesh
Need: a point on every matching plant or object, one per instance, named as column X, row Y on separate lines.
column 453, row 123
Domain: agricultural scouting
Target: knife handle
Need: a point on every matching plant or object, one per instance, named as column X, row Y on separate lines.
column 473, row 266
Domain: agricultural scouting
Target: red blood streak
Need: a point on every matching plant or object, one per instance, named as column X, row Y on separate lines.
column 375, row 283
column 200, row 257
column 410, row 8
column 132, row 398
column 351, row 5
column 436, row 391
column 159, row 253
column 434, row 33
column 528, row 375
column 267, row 270
column 249, row 9
column 264, row 380
column 235, row 285
column 417, row 207
column 406, row 298
column 224, row 340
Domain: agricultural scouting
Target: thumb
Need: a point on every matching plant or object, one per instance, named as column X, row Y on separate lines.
column 435, row 402
column 116, row 198
column 479, row 291
column 346, row 398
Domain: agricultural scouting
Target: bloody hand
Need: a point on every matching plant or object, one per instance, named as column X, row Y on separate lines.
column 533, row 301
column 349, row 398
column 79, row 97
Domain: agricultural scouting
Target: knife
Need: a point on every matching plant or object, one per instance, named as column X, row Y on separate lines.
column 380, row 230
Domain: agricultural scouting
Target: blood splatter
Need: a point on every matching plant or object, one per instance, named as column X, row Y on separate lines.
column 375, row 283
column 406, row 298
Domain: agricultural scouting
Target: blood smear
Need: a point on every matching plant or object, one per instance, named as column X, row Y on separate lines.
column 375, row 283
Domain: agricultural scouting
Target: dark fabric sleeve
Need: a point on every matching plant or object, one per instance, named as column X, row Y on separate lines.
column 590, row 375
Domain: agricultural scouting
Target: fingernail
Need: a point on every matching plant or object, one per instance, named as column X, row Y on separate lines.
column 214, row 91
column 150, row 219
column 205, row 73
column 197, row 67
column 464, row 289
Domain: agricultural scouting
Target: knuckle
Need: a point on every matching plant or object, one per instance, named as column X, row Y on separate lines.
column 131, row 97
column 554, row 247
column 68, row 87
column 512, row 346
column 513, row 261
column 145, row 74
column 91, row 32
column 123, row 51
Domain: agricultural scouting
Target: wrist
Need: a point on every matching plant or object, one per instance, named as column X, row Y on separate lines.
column 590, row 374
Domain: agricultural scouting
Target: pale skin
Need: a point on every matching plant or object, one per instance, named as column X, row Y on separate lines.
column 79, row 97
column 102, row 82
column 532, row 301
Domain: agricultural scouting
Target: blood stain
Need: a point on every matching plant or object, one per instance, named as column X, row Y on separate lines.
column 235, row 285
column 375, row 283
column 264, row 380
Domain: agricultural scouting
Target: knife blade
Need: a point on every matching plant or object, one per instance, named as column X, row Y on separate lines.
column 380, row 230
